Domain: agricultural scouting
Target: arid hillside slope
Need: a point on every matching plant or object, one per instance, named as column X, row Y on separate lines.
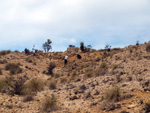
column 115, row 81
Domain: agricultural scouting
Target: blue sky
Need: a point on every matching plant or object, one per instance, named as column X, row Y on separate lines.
column 24, row 23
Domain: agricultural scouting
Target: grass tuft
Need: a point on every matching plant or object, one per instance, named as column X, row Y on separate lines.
column 13, row 68
column 49, row 103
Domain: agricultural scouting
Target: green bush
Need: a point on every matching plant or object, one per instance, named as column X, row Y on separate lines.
column 51, row 67
column 13, row 68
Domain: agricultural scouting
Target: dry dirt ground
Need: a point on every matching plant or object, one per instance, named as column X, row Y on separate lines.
column 100, row 82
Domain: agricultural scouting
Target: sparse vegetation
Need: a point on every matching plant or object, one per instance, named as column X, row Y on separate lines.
column 51, row 67
column 87, row 79
column 49, row 103
column 13, row 68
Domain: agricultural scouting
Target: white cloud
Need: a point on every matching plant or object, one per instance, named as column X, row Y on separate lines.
column 96, row 22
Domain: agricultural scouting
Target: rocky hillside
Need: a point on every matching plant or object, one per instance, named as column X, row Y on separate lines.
column 115, row 81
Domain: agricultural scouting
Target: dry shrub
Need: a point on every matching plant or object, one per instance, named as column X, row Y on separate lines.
column 52, row 84
column 147, row 106
column 3, row 61
column 51, row 67
column 97, row 59
column 28, row 98
column 113, row 94
column 56, row 75
column 17, row 86
column 3, row 84
column 102, row 70
column 108, row 106
column 105, row 54
column 1, row 71
column 5, row 52
column 49, row 103
column 148, row 48
column 113, row 52
column 115, row 66
column 88, row 73
column 13, row 68
column 29, row 59
column 63, row 80
column 103, row 65
column 12, row 85
column 34, row 85
column 73, row 76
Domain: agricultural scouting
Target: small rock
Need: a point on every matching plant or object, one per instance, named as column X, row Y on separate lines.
column 132, row 106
